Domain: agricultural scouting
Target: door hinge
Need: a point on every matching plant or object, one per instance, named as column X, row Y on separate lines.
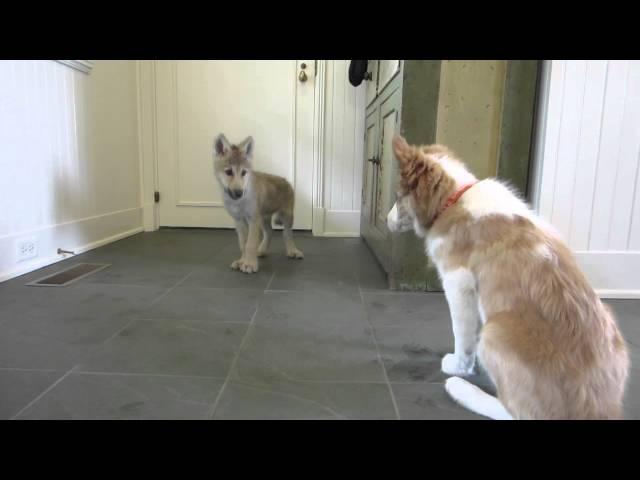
column 156, row 196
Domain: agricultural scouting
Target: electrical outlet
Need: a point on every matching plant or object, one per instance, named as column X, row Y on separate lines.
column 26, row 248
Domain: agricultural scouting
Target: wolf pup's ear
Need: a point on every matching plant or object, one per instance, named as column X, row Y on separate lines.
column 221, row 145
column 247, row 146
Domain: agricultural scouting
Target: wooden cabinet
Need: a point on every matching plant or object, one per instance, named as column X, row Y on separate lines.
column 406, row 96
column 378, row 187
column 382, row 122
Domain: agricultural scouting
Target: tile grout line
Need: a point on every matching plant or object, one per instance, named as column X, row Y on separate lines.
column 235, row 359
column 193, row 319
column 295, row 397
column 172, row 288
column 212, row 412
column 162, row 375
column 34, row 370
column 266, row 289
column 51, row 387
column 153, row 302
column 384, row 369
column 402, row 292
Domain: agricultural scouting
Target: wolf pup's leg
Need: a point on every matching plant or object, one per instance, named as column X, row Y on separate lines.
column 287, row 223
column 250, row 258
column 241, row 229
column 459, row 289
column 266, row 235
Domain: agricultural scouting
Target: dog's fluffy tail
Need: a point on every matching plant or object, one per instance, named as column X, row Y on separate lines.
column 476, row 400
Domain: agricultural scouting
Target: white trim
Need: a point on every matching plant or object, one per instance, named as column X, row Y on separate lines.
column 611, row 272
column 70, row 222
column 155, row 159
column 84, row 66
column 318, row 213
column 294, row 126
column 145, row 75
column 341, row 234
column 199, row 204
column 539, row 132
column 106, row 227
column 340, row 223
column 140, row 140
column 44, row 262
column 619, row 294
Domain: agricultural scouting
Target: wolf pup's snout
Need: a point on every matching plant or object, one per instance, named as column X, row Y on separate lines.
column 234, row 193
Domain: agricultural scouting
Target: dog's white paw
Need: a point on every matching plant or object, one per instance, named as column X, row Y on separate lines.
column 295, row 253
column 249, row 266
column 455, row 365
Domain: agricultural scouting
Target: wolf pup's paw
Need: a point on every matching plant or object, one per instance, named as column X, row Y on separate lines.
column 237, row 264
column 249, row 266
column 295, row 253
column 457, row 366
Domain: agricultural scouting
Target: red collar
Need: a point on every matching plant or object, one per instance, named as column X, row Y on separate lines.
column 454, row 197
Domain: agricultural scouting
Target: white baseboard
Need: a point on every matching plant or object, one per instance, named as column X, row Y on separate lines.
column 341, row 223
column 613, row 274
column 620, row 294
column 77, row 236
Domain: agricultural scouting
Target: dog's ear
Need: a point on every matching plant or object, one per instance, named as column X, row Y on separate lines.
column 221, row 145
column 402, row 150
column 247, row 146
column 411, row 163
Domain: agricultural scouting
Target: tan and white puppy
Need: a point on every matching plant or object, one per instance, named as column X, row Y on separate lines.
column 518, row 301
column 253, row 199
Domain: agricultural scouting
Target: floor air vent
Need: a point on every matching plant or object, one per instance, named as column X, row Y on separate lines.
column 68, row 275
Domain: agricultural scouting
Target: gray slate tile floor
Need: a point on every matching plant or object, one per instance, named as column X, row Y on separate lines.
column 170, row 332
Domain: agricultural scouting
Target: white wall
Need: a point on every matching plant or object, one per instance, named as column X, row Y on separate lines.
column 342, row 151
column 69, row 160
column 589, row 163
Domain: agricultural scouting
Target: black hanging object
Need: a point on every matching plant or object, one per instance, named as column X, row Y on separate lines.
column 357, row 71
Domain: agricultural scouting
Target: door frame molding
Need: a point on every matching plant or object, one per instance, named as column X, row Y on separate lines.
column 318, row 213
column 147, row 107
column 147, row 142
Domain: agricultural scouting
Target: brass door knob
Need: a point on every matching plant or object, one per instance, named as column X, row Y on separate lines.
column 302, row 76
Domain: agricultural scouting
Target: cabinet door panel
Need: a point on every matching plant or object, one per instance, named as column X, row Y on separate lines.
column 385, row 188
column 387, row 70
column 372, row 85
column 369, row 168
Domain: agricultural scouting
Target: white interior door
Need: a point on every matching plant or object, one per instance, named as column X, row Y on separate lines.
column 198, row 99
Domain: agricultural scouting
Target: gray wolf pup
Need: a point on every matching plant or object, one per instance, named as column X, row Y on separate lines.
column 253, row 199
